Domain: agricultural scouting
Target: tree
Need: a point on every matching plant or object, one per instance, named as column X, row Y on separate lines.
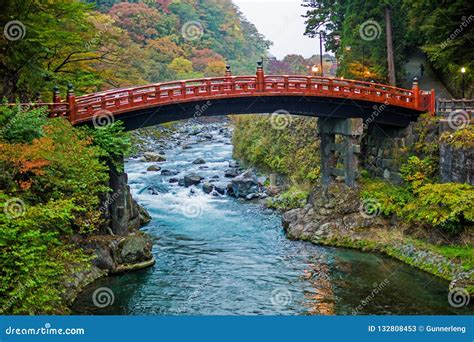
column 297, row 64
column 202, row 57
column 138, row 19
column 166, row 50
column 215, row 68
column 182, row 67
column 349, row 21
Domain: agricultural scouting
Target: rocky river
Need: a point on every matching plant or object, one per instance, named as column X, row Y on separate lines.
column 219, row 251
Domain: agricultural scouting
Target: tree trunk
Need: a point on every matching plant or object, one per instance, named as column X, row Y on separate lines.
column 390, row 60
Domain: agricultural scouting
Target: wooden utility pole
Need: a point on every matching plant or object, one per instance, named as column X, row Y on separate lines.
column 390, row 60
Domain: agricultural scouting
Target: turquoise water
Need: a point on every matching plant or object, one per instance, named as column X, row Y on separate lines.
column 219, row 256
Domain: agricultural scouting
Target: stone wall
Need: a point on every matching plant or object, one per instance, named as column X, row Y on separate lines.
column 455, row 164
column 384, row 149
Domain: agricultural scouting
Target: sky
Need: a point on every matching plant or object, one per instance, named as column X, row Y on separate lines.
column 281, row 22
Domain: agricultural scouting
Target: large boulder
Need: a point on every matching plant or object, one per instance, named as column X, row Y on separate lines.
column 245, row 184
column 116, row 254
column 192, row 179
column 199, row 161
column 135, row 248
column 153, row 157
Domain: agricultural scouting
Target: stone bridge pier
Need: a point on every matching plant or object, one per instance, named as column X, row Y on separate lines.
column 348, row 148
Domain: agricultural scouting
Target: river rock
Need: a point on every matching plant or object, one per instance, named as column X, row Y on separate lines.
column 199, row 161
column 231, row 173
column 153, row 168
column 233, row 164
column 230, row 190
column 156, row 189
column 219, row 189
column 143, row 215
column 207, row 136
column 250, row 196
column 245, row 184
column 153, row 157
column 166, row 172
column 207, row 187
column 192, row 179
column 174, row 180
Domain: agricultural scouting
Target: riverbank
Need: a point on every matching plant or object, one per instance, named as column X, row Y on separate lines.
column 341, row 219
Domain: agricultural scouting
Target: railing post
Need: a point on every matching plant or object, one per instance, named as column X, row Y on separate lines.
column 433, row 102
column 56, row 100
column 71, row 101
column 260, row 83
column 228, row 72
column 416, row 93
column 38, row 99
column 228, row 78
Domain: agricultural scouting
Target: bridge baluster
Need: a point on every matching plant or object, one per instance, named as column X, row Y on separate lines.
column 233, row 90
column 157, row 93
column 183, row 89
column 71, row 101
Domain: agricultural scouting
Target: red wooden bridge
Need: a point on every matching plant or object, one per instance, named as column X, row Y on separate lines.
column 302, row 95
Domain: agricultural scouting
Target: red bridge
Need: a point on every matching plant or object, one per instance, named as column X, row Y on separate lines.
column 301, row 95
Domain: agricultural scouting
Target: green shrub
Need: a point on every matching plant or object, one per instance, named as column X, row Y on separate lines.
column 391, row 198
column 114, row 142
column 292, row 150
column 418, row 172
column 442, row 205
column 34, row 259
column 54, row 175
column 461, row 138
column 290, row 199
column 446, row 206
column 20, row 125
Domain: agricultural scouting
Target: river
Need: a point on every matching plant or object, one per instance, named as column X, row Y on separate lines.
column 217, row 255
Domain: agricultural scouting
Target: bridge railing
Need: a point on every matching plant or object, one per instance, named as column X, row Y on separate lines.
column 446, row 106
column 118, row 101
